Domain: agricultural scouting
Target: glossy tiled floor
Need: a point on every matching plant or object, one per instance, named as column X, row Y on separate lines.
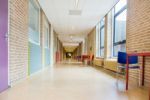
column 71, row 81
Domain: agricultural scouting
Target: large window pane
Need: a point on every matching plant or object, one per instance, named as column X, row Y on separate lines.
column 102, row 37
column 34, row 22
column 120, row 27
column 46, row 37
column 100, row 31
column 97, row 40
column 33, row 16
column 102, row 22
column 120, row 5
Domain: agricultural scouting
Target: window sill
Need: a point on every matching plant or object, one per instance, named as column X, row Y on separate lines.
column 99, row 57
column 112, row 59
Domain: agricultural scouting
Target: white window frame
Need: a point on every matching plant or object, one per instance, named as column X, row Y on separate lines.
column 47, row 29
column 98, row 40
column 39, row 9
column 113, row 24
column 102, row 27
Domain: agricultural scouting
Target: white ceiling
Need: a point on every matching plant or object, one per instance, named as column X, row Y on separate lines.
column 73, row 28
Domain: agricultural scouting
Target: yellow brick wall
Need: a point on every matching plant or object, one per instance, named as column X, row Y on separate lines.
column 91, row 47
column 138, row 33
column 18, row 40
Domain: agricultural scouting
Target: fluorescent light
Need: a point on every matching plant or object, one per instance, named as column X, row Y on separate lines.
column 77, row 2
column 75, row 12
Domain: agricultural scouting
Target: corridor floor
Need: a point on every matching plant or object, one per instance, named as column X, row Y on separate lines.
column 71, row 81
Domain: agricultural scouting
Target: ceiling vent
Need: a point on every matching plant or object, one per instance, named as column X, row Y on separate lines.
column 75, row 12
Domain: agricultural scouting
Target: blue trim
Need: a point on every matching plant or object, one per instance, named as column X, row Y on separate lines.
column 47, row 56
column 35, row 58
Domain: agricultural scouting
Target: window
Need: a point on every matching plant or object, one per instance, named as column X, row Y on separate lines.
column 119, row 37
column 34, row 17
column 46, row 35
column 97, row 40
column 102, row 37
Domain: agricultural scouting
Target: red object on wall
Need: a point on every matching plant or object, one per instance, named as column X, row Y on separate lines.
column 57, row 57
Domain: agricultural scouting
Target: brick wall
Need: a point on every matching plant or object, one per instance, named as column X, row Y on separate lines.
column 91, row 48
column 138, row 33
column 18, row 40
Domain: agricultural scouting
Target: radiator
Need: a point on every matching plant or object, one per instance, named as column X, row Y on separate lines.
column 98, row 62
column 111, row 65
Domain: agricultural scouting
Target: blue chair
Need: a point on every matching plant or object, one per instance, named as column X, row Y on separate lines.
column 122, row 59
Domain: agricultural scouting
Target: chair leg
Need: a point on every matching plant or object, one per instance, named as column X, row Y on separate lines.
column 120, row 78
column 139, row 77
column 117, row 74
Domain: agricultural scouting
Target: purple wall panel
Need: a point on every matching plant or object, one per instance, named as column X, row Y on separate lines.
column 3, row 45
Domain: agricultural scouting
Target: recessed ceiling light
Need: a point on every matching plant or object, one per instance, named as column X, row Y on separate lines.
column 75, row 12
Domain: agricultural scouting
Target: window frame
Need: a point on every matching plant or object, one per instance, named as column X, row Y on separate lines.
column 101, row 27
column 47, row 28
column 39, row 19
column 102, row 47
column 98, row 40
column 114, row 23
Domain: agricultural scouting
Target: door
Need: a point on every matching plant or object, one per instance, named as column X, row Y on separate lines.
column 3, row 45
